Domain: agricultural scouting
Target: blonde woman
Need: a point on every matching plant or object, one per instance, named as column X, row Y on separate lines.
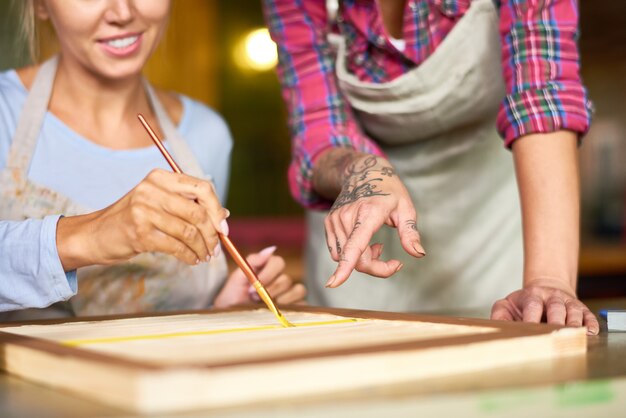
column 88, row 207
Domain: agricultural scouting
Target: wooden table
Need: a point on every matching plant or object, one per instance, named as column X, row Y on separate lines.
column 592, row 385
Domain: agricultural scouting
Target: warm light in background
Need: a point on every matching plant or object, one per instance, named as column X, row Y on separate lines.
column 256, row 51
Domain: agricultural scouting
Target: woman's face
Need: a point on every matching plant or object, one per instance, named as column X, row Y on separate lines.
column 111, row 38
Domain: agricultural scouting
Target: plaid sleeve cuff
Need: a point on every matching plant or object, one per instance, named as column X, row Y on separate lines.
column 559, row 106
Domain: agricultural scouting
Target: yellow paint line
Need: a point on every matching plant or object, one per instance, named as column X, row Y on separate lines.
column 109, row 340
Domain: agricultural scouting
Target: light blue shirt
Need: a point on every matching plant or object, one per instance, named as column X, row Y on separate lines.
column 31, row 275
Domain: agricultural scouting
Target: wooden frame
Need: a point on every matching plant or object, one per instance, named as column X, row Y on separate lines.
column 148, row 388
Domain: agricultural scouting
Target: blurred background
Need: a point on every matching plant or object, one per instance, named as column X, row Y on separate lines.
column 217, row 51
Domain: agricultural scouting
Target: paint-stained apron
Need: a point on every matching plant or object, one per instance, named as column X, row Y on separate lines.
column 148, row 282
column 436, row 123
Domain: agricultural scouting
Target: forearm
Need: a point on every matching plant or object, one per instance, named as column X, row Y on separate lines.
column 547, row 172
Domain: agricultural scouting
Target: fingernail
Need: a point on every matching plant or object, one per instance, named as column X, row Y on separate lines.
column 217, row 250
column 207, row 258
column 330, row 281
column 419, row 249
column 227, row 212
column 266, row 252
column 224, row 227
column 399, row 268
column 254, row 295
column 197, row 261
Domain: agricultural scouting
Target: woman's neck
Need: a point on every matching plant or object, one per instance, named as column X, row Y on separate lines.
column 102, row 110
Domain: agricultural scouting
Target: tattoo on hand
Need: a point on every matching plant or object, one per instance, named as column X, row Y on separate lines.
column 360, row 182
column 338, row 245
column 412, row 224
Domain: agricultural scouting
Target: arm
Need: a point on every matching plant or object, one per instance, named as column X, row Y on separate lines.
column 328, row 146
column 31, row 275
column 319, row 117
column 541, row 119
column 547, row 172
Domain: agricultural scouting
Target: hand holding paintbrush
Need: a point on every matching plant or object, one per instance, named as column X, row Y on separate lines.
column 237, row 257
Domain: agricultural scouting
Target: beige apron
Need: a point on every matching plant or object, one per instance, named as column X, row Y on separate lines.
column 148, row 282
column 436, row 124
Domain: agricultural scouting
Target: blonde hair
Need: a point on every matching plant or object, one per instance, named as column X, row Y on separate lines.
column 25, row 10
column 33, row 32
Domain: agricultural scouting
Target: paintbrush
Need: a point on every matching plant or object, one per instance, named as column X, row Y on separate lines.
column 230, row 247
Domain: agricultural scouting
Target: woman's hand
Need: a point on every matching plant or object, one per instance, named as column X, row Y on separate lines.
column 544, row 298
column 372, row 194
column 167, row 212
column 270, row 271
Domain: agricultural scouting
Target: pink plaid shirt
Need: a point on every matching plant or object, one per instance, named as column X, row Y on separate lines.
column 540, row 63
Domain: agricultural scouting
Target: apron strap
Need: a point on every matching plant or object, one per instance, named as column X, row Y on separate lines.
column 32, row 116
column 182, row 153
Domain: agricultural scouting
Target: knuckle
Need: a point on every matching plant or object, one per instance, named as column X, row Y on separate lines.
column 155, row 174
column 205, row 188
column 284, row 280
column 280, row 262
column 198, row 216
column 367, row 209
column 345, row 217
column 179, row 250
column 534, row 304
column 137, row 212
column 189, row 232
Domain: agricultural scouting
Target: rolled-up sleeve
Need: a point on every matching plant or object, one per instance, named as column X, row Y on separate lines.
column 31, row 274
column 541, row 66
column 319, row 116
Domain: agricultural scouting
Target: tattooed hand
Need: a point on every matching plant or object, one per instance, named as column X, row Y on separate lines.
column 371, row 194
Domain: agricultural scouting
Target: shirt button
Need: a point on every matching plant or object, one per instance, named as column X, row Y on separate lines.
column 359, row 59
column 380, row 40
column 413, row 6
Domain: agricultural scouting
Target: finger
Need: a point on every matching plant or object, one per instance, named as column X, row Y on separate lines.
column 166, row 244
column 295, row 294
column 203, row 192
column 501, row 311
column 409, row 235
column 372, row 265
column 279, row 285
column 377, row 250
column 556, row 312
column 271, row 270
column 331, row 239
column 342, row 226
column 591, row 322
column 532, row 309
column 177, row 228
column 369, row 223
column 574, row 314
column 258, row 260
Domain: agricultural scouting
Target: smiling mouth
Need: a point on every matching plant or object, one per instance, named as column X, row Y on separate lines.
column 121, row 43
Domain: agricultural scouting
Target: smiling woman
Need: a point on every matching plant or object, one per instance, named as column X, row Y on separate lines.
column 80, row 199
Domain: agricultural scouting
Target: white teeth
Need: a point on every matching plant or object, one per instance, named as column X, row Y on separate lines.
column 122, row 42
